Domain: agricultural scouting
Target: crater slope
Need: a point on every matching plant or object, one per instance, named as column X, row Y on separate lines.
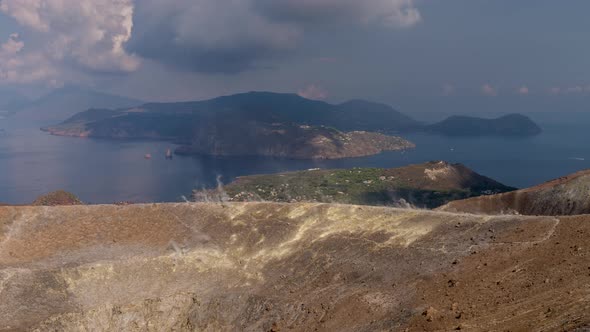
column 299, row 267
column 567, row 195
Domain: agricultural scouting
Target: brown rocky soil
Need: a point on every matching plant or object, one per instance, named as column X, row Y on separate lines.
column 56, row 198
column 567, row 195
column 289, row 267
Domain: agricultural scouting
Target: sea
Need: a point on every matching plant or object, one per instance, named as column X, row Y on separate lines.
column 99, row 171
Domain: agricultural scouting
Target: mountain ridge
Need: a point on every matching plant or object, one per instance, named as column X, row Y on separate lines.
column 356, row 114
column 69, row 100
column 567, row 195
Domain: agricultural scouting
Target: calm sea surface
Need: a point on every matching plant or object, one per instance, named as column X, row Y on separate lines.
column 106, row 171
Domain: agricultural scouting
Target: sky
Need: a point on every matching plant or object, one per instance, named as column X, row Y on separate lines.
column 413, row 54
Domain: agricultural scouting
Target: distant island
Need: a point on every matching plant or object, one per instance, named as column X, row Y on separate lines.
column 427, row 185
column 508, row 125
column 65, row 102
column 235, row 137
column 277, row 124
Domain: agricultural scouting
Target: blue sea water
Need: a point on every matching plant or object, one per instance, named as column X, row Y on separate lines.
column 105, row 171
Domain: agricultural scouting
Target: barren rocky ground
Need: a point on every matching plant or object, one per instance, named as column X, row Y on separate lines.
column 289, row 267
column 568, row 195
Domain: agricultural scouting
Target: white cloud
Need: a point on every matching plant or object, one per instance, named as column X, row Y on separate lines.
column 12, row 46
column 523, row 90
column 16, row 67
column 489, row 90
column 112, row 36
column 89, row 34
column 314, row 92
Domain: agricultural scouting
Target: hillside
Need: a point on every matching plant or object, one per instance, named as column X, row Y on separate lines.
column 182, row 119
column 275, row 267
column 426, row 185
column 366, row 115
column 289, row 141
column 65, row 102
column 508, row 125
column 564, row 196
column 233, row 137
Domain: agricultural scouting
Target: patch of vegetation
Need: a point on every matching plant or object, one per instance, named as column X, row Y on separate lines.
column 366, row 186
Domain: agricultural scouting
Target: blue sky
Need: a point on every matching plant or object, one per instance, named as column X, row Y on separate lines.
column 410, row 53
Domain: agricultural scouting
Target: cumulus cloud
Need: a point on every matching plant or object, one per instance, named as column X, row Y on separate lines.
column 235, row 35
column 208, row 35
column 211, row 36
column 89, row 34
column 92, row 33
column 489, row 90
column 523, row 90
column 314, row 92
column 16, row 67
column 13, row 45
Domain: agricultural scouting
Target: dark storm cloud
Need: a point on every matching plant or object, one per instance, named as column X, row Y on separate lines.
column 211, row 36
column 207, row 35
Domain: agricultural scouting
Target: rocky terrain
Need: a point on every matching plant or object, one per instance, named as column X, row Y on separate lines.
column 427, row 185
column 564, row 196
column 56, row 198
column 299, row 267
column 288, row 141
column 232, row 137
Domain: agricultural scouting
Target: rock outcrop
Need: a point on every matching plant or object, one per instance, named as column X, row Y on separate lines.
column 56, row 198
column 300, row 267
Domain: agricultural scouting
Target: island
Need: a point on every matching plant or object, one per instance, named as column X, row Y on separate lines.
column 427, row 185
column 511, row 125
column 277, row 124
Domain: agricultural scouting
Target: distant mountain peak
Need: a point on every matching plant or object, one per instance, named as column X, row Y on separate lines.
column 64, row 102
